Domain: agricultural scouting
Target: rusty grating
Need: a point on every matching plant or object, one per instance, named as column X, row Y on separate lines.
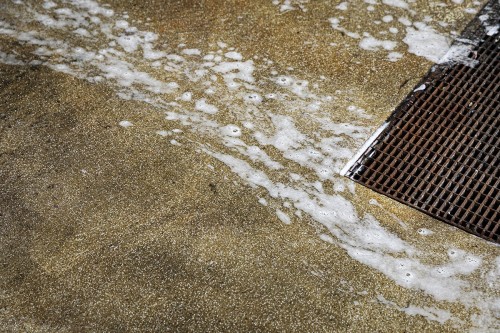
column 439, row 152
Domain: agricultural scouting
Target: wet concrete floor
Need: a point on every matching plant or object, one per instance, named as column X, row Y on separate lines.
column 112, row 229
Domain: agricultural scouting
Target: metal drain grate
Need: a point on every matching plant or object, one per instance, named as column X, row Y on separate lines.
column 439, row 151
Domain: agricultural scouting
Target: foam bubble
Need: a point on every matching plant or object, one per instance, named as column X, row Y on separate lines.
column 163, row 133
column 420, row 88
column 372, row 44
column 125, row 123
column 404, row 21
column 394, row 56
column 231, row 130
column 191, row 52
column 283, row 217
column 202, row 105
column 187, row 96
column 425, row 232
column 121, row 24
column 342, row 6
column 253, row 98
column 396, row 3
column 234, row 55
column 387, row 18
column 284, row 81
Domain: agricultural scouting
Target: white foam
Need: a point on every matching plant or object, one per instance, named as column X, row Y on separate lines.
column 342, row 6
column 394, row 56
column 253, row 98
column 10, row 59
column 459, row 53
column 231, row 130
column 491, row 26
column 283, row 217
column 405, row 21
column 82, row 32
column 202, row 105
column 387, row 18
column 335, row 24
column 286, row 136
column 396, row 3
column 187, row 96
column 363, row 148
column 425, row 232
column 420, row 88
column 236, row 71
column 175, row 57
column 492, row 30
column 121, row 24
column 308, row 148
column 430, row 313
column 372, row 44
column 426, row 42
column 163, row 133
column 49, row 4
column 234, row 55
column 289, row 5
column 125, row 123
column 470, row 10
column 284, row 81
column 191, row 51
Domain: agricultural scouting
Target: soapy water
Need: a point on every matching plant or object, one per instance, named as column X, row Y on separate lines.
column 282, row 137
column 289, row 5
column 406, row 30
column 430, row 313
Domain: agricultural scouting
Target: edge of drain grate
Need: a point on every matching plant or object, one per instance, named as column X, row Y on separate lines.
column 470, row 38
column 473, row 32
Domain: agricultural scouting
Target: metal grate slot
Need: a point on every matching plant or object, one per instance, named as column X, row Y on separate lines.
column 440, row 152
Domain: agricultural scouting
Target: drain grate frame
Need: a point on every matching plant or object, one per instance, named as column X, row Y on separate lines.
column 439, row 151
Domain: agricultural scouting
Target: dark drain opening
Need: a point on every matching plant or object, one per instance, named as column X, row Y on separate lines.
column 440, row 152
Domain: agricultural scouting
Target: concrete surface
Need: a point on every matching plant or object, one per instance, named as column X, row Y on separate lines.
column 109, row 228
